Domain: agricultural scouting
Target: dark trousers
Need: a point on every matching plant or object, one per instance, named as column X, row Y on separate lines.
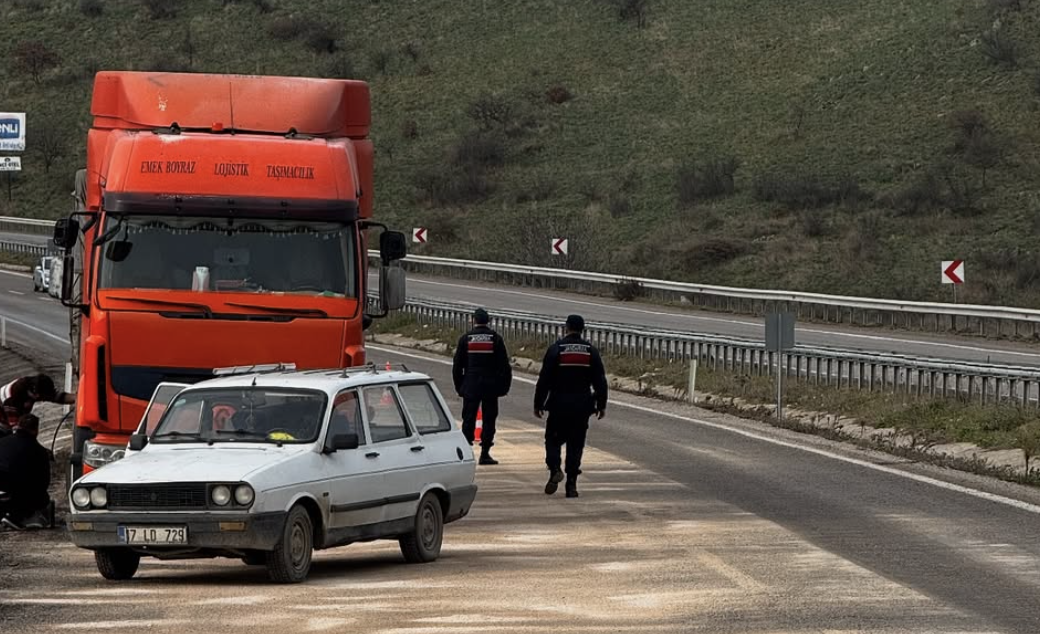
column 20, row 503
column 565, row 429
column 489, row 414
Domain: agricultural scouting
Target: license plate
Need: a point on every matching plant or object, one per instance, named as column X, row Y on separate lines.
column 153, row 535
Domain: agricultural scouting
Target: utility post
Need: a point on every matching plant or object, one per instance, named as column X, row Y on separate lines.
column 779, row 337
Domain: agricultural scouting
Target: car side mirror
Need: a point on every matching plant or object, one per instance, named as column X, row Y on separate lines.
column 342, row 441
column 392, row 246
column 66, row 232
column 68, row 277
column 118, row 250
column 138, row 442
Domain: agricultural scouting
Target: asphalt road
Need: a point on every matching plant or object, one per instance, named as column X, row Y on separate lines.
column 688, row 522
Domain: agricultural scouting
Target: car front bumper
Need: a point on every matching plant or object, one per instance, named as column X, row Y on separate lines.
column 206, row 530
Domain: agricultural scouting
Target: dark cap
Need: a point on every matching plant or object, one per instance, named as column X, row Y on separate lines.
column 28, row 423
column 480, row 316
column 575, row 323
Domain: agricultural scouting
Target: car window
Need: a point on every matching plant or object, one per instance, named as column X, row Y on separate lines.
column 424, row 409
column 160, row 401
column 385, row 420
column 346, row 416
column 251, row 414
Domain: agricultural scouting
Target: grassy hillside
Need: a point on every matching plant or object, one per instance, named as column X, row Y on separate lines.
column 844, row 147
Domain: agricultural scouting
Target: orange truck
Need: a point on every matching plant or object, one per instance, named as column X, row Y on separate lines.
column 222, row 221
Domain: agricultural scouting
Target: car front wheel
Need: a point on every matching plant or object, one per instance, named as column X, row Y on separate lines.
column 290, row 561
column 423, row 544
column 117, row 564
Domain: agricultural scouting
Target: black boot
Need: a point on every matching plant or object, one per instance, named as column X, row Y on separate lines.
column 572, row 486
column 485, row 456
column 555, row 478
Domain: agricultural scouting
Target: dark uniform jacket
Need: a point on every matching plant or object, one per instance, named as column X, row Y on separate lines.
column 15, row 400
column 481, row 367
column 573, row 379
column 25, row 468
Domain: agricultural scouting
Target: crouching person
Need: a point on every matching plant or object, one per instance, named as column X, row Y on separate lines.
column 25, row 476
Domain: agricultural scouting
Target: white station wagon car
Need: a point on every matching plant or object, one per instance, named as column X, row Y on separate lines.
column 268, row 466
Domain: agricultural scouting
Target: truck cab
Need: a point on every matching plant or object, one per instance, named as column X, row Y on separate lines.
column 223, row 221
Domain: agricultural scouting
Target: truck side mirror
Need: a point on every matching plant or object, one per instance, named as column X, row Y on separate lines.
column 68, row 277
column 138, row 442
column 392, row 287
column 392, row 246
column 66, row 232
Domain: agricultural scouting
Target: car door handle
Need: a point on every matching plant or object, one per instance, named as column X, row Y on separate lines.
column 372, row 454
column 418, row 448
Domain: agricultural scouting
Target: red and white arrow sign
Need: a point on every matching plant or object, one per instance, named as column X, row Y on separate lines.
column 953, row 272
column 419, row 235
column 559, row 246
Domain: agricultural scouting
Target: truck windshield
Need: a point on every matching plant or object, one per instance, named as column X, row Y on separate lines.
column 233, row 255
column 244, row 414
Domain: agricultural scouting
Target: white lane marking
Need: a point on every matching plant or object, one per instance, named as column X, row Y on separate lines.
column 16, row 273
column 14, row 292
column 37, row 330
column 109, row 625
column 949, row 486
column 848, row 335
column 45, row 299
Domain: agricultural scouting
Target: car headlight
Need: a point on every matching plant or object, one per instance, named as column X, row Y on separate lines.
column 97, row 455
column 221, row 495
column 81, row 497
column 244, row 495
column 99, row 497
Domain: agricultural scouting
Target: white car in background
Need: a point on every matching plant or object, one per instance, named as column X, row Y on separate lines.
column 42, row 274
column 267, row 466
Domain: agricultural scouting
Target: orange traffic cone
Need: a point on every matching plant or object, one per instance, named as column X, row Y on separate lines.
column 480, row 425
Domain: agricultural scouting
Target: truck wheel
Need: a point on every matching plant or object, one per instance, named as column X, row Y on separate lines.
column 290, row 561
column 423, row 544
column 117, row 564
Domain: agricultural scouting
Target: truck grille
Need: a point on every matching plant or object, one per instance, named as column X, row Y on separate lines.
column 188, row 495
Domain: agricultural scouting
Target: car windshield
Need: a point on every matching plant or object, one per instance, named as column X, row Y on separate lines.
column 234, row 255
column 244, row 414
column 160, row 401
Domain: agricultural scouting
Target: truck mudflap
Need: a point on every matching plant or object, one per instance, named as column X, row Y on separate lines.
column 205, row 531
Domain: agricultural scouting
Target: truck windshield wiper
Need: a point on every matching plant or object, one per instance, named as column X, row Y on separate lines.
column 202, row 308
column 303, row 312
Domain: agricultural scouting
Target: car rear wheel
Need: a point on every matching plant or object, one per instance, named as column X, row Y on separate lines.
column 290, row 561
column 423, row 544
column 117, row 564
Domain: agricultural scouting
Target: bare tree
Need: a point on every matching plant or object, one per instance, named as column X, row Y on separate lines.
column 34, row 58
column 49, row 142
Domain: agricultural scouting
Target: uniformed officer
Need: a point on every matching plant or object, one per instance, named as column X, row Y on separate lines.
column 482, row 374
column 571, row 386
column 18, row 397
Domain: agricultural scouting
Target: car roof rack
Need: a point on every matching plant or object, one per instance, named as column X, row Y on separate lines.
column 264, row 368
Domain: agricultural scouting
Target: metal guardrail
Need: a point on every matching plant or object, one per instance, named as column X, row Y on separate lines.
column 10, row 224
column 852, row 369
column 994, row 321
column 23, row 247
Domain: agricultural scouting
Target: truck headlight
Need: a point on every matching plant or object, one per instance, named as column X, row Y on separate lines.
column 220, row 495
column 99, row 497
column 244, row 495
column 81, row 497
column 96, row 455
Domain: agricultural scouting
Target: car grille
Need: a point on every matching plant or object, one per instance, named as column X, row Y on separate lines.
column 157, row 496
